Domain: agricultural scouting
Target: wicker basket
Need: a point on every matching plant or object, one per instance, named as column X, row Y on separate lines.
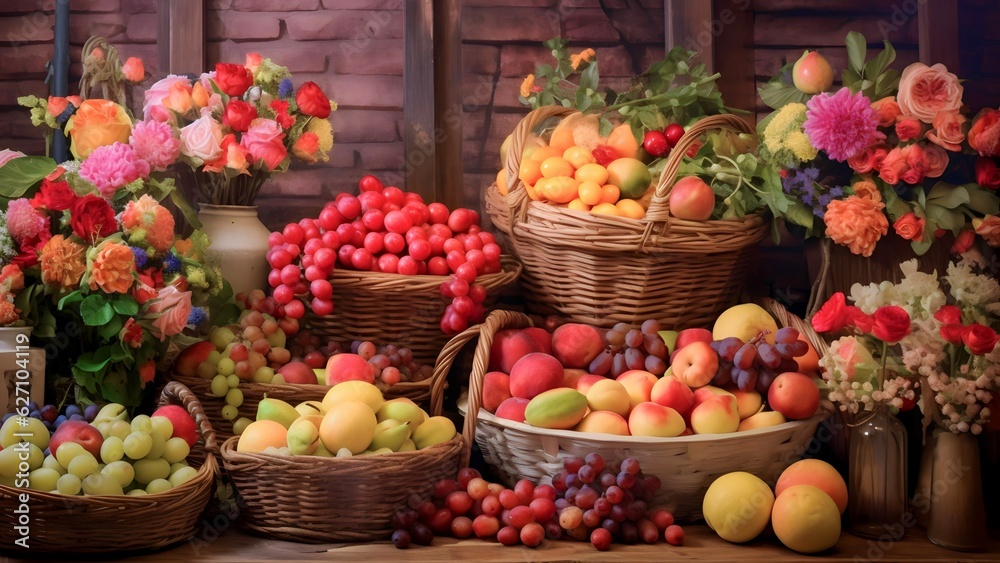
column 687, row 465
column 601, row 270
column 84, row 524
column 404, row 310
column 315, row 499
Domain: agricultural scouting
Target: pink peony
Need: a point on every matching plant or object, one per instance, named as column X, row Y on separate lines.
column 841, row 124
column 171, row 307
column 154, row 142
column 23, row 220
column 8, row 155
column 266, row 143
column 158, row 92
column 110, row 167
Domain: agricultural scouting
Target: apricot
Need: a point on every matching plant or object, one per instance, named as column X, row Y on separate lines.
column 671, row 392
column 260, row 435
column 589, row 192
column 639, row 385
column 511, row 345
column 652, row 419
column 762, row 419
column 748, row 403
column 586, row 381
column 623, row 141
column 603, row 422
column 534, row 374
column 610, row 194
column 578, row 156
column 695, row 364
column 606, row 209
column 609, row 395
column 817, row 473
column 592, row 173
column 631, row 208
column 716, row 415
column 576, row 345
column 513, row 409
column 557, row 166
column 578, row 205
column 529, row 173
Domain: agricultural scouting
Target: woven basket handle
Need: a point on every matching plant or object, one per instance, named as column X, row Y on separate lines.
column 517, row 195
column 659, row 209
column 443, row 365
column 786, row 318
column 497, row 321
column 177, row 393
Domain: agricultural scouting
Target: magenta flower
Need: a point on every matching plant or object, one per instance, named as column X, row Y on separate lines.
column 154, row 142
column 24, row 221
column 112, row 166
column 841, row 124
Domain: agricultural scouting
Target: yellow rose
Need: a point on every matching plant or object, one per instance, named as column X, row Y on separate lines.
column 527, row 85
column 95, row 124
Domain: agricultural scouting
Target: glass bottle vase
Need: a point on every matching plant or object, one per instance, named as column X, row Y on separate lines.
column 877, row 476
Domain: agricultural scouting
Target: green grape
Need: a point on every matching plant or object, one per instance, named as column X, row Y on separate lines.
column 82, row 465
column 67, row 451
column 234, row 397
column 50, row 462
column 220, row 385
column 207, row 370
column 138, row 444
column 233, row 380
column 183, row 475
column 35, row 457
column 264, row 374
column 226, row 366
column 104, row 427
column 229, row 412
column 175, row 466
column 43, row 479
column 176, row 450
column 121, row 429
column 213, row 357
column 97, row 484
column 122, row 471
column 142, row 423
column 156, row 450
column 240, row 425
column 112, row 449
column 158, row 486
column 146, row 470
column 136, row 493
column 69, row 484
column 163, row 427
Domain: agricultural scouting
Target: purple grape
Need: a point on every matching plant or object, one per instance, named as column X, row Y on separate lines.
column 401, row 539
column 76, row 417
column 421, row 534
column 786, row 335
column 747, row 379
column 90, row 413
column 601, row 365
column 727, row 348
column 745, row 356
column 49, row 413
column 59, row 420
column 768, row 355
column 47, row 424
column 35, row 414
column 8, row 415
column 32, row 406
column 72, row 409
column 722, row 376
column 764, row 379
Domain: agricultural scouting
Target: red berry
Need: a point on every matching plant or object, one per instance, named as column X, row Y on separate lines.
column 293, row 233
column 674, row 535
column 325, row 258
column 467, row 474
column 279, row 258
column 491, row 505
column 521, row 516
column 477, row 293
column 532, row 534
column 543, row 508
column 314, row 273
column 453, row 245
column 473, row 243
column 330, row 218
column 394, row 243
column 544, row 491
column 460, row 220
column 655, row 144
column 373, row 219
column 295, row 309
column 275, row 239
column 420, row 250
column 477, row 258
column 466, row 271
column 461, row 527
column 394, row 195
column 438, row 213
column 315, row 360
column 349, row 207
column 508, row 535
column 417, row 212
column 371, row 200
column 485, row 526
column 321, row 289
column 673, row 134
column 388, row 263
column 440, row 230
column 369, row 183
column 438, row 266
column 600, row 538
column 290, row 274
column 345, row 232
column 312, row 245
column 274, row 278
column 374, row 242
column 408, row 266
column 331, row 240
column 322, row 307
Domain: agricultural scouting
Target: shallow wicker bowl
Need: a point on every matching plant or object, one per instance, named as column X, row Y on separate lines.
column 686, row 465
column 111, row 524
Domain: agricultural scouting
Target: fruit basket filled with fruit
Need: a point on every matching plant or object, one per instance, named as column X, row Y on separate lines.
column 157, row 470
column 732, row 399
column 340, row 473
column 652, row 218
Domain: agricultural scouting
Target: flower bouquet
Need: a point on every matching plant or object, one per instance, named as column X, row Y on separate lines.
column 239, row 124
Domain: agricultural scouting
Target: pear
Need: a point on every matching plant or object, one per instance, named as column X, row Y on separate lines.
column 434, row 430
column 408, row 446
column 403, row 410
column 303, row 437
column 111, row 411
column 390, row 434
column 276, row 410
column 310, row 407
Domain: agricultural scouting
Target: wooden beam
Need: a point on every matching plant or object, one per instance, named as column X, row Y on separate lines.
column 733, row 50
column 938, row 25
column 181, row 36
column 689, row 23
column 418, row 99
column 448, row 109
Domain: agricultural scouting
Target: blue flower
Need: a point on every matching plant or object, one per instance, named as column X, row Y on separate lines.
column 825, row 199
column 140, row 257
column 812, row 173
column 197, row 316
column 836, row 192
column 285, row 88
column 819, row 212
column 808, row 199
column 171, row 264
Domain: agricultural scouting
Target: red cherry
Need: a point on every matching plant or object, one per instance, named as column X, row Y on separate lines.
column 293, row 233
column 415, row 233
column 673, row 134
column 274, row 278
column 459, row 287
column 417, row 212
column 394, row 195
column 373, row 219
column 467, row 272
column 345, row 232
column 397, row 222
column 279, row 258
column 420, row 250
column 314, row 273
column 371, row 200
column 438, row 213
column 453, row 245
column 331, row 240
column 344, row 254
column 325, row 258
column 438, row 266
column 290, row 274
column 408, row 266
column 437, row 245
column 350, row 207
column 369, row 183
column 388, row 263
column 440, row 230
column 477, row 293
column 655, row 144
column 455, row 259
column 477, row 258
column 330, row 218
column 322, row 307
column 374, row 242
column 321, row 289
column 413, row 197
column 295, row 309
column 473, row 243
column 460, row 220
column 487, row 238
column 492, row 252
column 394, row 243
column 283, row 294
column 361, row 259
column 275, row 239
column 312, row 245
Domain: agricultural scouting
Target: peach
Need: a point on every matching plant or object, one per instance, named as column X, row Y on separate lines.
column 572, row 376
column 609, row 395
column 189, row 358
column 262, row 434
column 744, row 322
column 671, row 392
column 748, row 403
column 695, row 364
column 639, row 385
column 817, row 473
column 761, row 420
column 812, row 73
column 652, row 419
column 183, row 424
column 702, row 394
column 76, row 431
column 298, row 372
column 806, row 519
column 348, row 367
column 691, row 198
column 716, row 415
column 496, row 389
column 603, row 422
column 513, row 409
column 586, row 381
column 535, row 373
column 541, row 337
column 689, row 335
column 738, row 506
column 576, row 345
column 509, row 346
column 794, row 395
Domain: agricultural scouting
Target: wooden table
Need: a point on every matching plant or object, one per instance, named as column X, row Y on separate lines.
column 701, row 544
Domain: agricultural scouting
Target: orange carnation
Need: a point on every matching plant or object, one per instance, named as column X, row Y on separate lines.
column 9, row 314
column 112, row 268
column 63, row 262
column 857, row 223
column 145, row 219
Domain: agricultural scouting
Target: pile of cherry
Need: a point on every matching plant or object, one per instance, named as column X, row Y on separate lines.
column 383, row 229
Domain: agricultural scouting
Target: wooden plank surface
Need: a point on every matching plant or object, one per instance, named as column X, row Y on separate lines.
column 701, row 544
column 182, row 36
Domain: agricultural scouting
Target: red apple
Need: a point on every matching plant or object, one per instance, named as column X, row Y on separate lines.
column 298, row 372
column 794, row 395
column 189, row 358
column 691, row 198
column 184, row 425
column 80, row 432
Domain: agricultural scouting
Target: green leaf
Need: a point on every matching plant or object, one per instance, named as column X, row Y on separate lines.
column 983, row 201
column 779, row 95
column 894, row 206
column 945, row 218
column 126, row 305
column 20, row 174
column 93, row 361
column 946, row 195
column 85, row 378
column 120, row 352
column 589, row 77
column 70, row 299
column 115, row 387
column 111, row 329
column 605, row 127
column 857, row 51
column 875, row 66
column 95, row 310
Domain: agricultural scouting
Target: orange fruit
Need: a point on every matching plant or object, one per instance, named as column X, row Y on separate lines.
column 590, row 193
column 578, row 205
column 578, row 156
column 502, row 181
column 534, row 192
column 530, row 171
column 592, row 172
column 541, row 153
column 631, row 208
column 562, row 139
column 560, row 189
column 556, row 166
column 606, row 209
column 623, row 141
column 609, row 193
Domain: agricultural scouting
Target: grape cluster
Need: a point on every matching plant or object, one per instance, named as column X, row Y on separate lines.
column 52, row 418
column 588, row 500
column 383, row 229
column 628, row 348
column 257, row 300
column 392, row 363
column 754, row 364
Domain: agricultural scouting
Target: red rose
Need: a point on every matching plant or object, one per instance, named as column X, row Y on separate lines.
column 954, row 333
column 984, row 137
column 233, row 79
column 856, row 317
column 312, row 101
column 143, row 292
column 892, row 323
column 28, row 257
column 987, row 173
column 91, row 217
column 949, row 315
column 238, row 115
column 832, row 316
column 980, row 339
column 55, row 196
column 963, row 242
column 280, row 108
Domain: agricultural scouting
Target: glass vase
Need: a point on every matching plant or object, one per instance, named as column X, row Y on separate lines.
column 957, row 518
column 877, row 475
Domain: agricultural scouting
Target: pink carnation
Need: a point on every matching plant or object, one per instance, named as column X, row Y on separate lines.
column 841, row 124
column 154, row 142
column 112, row 166
column 23, row 220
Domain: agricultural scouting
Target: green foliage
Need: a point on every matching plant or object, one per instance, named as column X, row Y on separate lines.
column 872, row 78
column 20, row 176
column 780, row 90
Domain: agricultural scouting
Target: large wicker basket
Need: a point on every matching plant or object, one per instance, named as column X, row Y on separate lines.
column 686, row 465
column 316, row 499
column 101, row 524
column 601, row 269
column 398, row 309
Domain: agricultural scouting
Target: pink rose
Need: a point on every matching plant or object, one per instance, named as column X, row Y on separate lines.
column 948, row 133
column 159, row 91
column 893, row 166
column 171, row 308
column 908, row 129
column 925, row 91
column 989, row 229
column 133, row 70
column 265, row 141
column 869, row 159
column 937, row 160
column 201, row 140
column 253, row 62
